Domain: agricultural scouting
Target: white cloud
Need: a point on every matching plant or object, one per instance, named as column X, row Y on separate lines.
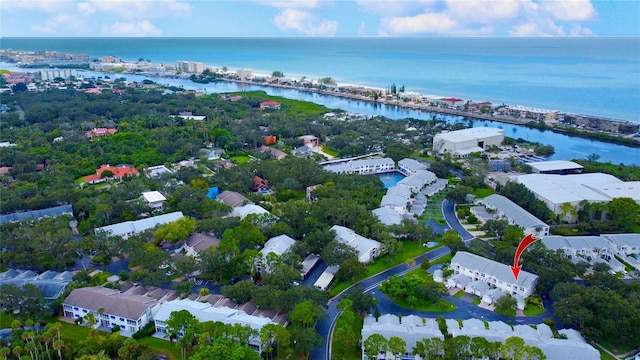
column 484, row 17
column 423, row 23
column 569, row 10
column 53, row 24
column 292, row 4
column 305, row 23
column 137, row 9
column 48, row 6
column 143, row 28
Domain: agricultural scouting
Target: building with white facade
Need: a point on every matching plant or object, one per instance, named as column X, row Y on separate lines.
column 410, row 328
column 495, row 274
column 367, row 249
column 129, row 228
column 154, row 199
column 418, row 180
column 397, row 198
column 277, row 245
column 461, row 143
column 409, row 166
column 588, row 247
column 110, row 307
column 561, row 167
column 624, row 244
column 244, row 74
column 48, row 75
column 362, row 166
column 248, row 209
column 190, row 67
column 387, row 216
column 506, row 209
column 555, row 190
column 206, row 312
column 540, row 336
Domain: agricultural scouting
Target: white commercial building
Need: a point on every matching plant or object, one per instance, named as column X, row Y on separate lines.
column 461, row 143
column 495, row 274
column 244, row 74
column 367, row 249
column 561, row 167
column 129, row 228
column 507, row 209
column 556, row 190
column 206, row 312
column 190, row 67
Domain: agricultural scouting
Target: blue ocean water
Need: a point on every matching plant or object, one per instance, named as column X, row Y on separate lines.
column 595, row 76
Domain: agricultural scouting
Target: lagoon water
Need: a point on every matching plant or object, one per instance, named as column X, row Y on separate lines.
column 595, row 76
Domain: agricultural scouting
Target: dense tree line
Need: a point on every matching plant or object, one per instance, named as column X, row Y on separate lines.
column 519, row 194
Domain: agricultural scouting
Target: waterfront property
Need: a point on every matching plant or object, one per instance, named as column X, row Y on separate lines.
column 362, row 166
column 410, row 166
column 461, row 143
column 503, row 208
column 560, row 167
column 494, row 274
column 410, row 328
column 129, row 228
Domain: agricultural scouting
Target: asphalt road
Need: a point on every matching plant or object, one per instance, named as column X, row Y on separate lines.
column 448, row 210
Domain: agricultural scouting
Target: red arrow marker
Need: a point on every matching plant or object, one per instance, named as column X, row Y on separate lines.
column 528, row 240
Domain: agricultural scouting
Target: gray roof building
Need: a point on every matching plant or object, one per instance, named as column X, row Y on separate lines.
column 36, row 214
column 112, row 301
column 516, row 215
column 233, row 199
column 410, row 166
column 367, row 249
column 128, row 228
column 387, row 216
column 410, row 328
column 51, row 283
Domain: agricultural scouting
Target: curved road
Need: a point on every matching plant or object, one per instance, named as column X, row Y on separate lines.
column 464, row 309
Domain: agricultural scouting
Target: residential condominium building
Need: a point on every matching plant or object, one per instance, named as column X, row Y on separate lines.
column 397, row 198
column 110, row 307
column 624, row 244
column 190, row 67
column 409, row 328
column 277, row 245
column 367, row 249
column 129, row 228
column 410, row 166
column 461, row 143
column 362, row 166
column 418, row 180
column 506, row 209
column 206, row 312
column 573, row 346
column 495, row 274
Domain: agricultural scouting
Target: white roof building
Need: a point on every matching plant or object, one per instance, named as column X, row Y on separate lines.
column 590, row 247
column 461, row 143
column 561, row 167
column 363, row 166
column 410, row 166
column 516, row 215
column 573, row 347
column 556, row 190
column 387, row 216
column 248, row 209
column 411, row 329
column 367, row 249
column 397, row 198
column 418, row 180
column 325, row 279
column 154, row 199
column 128, row 228
column 496, row 274
column 624, row 244
column 206, row 312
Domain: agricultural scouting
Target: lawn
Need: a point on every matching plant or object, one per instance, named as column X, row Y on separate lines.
column 477, row 301
column 533, row 310
column 459, row 294
column 350, row 354
column 507, row 313
column 329, row 151
column 289, row 106
column 483, row 192
column 165, row 347
column 241, row 159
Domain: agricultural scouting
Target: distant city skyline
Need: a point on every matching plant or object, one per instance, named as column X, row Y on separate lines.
column 317, row 18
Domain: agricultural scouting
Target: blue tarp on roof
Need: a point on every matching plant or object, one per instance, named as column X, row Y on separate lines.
column 213, row 192
column 36, row 214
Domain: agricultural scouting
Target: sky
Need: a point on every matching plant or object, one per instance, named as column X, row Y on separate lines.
column 318, row 18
